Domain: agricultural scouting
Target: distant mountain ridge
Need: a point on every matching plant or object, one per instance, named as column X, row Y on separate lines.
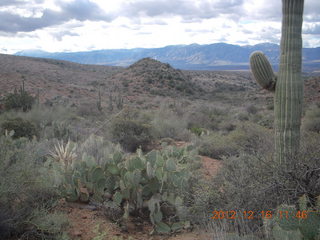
column 217, row 56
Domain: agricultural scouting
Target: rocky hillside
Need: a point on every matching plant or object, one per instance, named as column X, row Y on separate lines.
column 138, row 84
column 54, row 79
column 156, row 78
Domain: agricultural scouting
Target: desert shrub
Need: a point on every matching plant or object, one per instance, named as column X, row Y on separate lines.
column 21, row 128
column 50, row 122
column 45, row 116
column 243, row 116
column 26, row 188
column 251, row 138
column 216, row 146
column 270, row 106
column 97, row 148
column 252, row 109
column 227, row 126
column 198, row 131
column 257, row 182
column 311, row 121
column 19, row 101
column 245, row 137
column 131, row 134
column 88, row 109
column 206, row 116
column 47, row 225
column 168, row 124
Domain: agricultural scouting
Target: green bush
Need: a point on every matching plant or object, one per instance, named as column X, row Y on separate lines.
column 168, row 124
column 208, row 117
column 246, row 138
column 216, row 146
column 51, row 122
column 198, row 131
column 256, row 181
column 252, row 109
column 19, row 101
column 21, row 128
column 311, row 121
column 26, row 191
column 131, row 134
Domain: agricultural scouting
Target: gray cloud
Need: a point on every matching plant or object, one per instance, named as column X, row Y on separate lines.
column 59, row 35
column 78, row 9
column 311, row 11
column 269, row 34
column 273, row 11
column 315, row 29
column 156, row 22
column 11, row 2
column 186, row 9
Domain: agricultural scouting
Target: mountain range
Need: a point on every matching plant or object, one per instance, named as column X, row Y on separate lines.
column 217, row 56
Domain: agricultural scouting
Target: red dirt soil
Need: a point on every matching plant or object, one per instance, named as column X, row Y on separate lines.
column 88, row 224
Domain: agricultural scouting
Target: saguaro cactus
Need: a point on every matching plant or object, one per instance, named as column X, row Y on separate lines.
column 288, row 85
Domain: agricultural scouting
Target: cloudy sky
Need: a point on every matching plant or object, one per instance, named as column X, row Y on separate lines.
column 81, row 25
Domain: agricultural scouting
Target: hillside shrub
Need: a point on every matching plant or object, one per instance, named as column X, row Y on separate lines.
column 311, row 121
column 257, row 182
column 216, row 146
column 244, row 138
column 26, row 192
column 21, row 128
column 19, row 101
column 168, row 124
column 208, row 117
column 131, row 134
column 252, row 109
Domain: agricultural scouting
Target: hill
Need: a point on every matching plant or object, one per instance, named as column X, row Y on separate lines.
column 142, row 83
column 54, row 79
column 151, row 76
column 218, row 56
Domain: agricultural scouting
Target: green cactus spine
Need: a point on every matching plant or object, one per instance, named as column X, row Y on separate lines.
column 289, row 86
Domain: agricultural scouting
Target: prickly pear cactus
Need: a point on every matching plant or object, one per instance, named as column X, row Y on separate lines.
column 288, row 85
column 300, row 224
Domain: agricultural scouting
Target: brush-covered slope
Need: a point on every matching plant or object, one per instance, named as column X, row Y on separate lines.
column 154, row 77
column 52, row 78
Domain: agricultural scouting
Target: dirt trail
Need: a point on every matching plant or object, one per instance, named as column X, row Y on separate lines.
column 90, row 224
column 210, row 166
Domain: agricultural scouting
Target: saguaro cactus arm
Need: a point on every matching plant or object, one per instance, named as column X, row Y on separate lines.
column 262, row 71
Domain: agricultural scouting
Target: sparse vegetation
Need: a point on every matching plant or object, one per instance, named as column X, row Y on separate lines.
column 146, row 161
column 21, row 100
column 19, row 128
column 312, row 119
